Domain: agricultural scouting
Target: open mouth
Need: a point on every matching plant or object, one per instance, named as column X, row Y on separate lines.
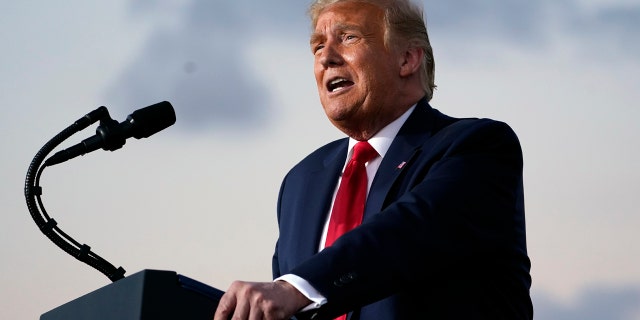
column 338, row 84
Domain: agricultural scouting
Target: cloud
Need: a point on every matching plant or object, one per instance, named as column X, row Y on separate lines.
column 537, row 25
column 498, row 19
column 196, row 57
column 595, row 303
column 610, row 29
column 197, row 53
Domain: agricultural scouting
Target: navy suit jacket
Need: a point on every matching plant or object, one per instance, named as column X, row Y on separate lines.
column 443, row 235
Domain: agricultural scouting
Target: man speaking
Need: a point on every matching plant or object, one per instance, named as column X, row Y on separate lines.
column 413, row 215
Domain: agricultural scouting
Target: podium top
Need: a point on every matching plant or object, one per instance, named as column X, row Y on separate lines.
column 148, row 294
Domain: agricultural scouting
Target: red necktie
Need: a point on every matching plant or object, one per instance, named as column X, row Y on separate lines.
column 348, row 208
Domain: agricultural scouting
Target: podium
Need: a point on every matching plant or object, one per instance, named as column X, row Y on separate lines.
column 148, row 294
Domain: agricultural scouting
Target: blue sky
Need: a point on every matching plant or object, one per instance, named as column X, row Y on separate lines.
column 563, row 74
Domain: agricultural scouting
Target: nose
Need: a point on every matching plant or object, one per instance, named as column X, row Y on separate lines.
column 330, row 56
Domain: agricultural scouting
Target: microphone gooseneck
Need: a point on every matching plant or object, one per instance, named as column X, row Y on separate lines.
column 111, row 136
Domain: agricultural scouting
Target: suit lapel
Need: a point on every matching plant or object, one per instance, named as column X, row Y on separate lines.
column 319, row 189
column 404, row 148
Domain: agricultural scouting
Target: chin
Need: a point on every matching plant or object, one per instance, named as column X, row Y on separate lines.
column 337, row 111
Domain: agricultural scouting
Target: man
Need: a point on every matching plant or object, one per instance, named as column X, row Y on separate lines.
column 442, row 233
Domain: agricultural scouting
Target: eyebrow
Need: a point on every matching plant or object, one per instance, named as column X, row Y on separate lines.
column 315, row 38
column 339, row 27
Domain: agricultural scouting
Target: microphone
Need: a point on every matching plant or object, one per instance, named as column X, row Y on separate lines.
column 111, row 135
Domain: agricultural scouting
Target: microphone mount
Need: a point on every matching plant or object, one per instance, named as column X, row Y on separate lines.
column 106, row 129
column 110, row 135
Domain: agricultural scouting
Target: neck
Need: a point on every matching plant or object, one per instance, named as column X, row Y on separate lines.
column 367, row 129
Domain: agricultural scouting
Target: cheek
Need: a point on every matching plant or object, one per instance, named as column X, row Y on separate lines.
column 384, row 73
column 318, row 73
column 369, row 73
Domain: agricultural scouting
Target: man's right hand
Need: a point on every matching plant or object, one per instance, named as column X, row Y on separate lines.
column 260, row 300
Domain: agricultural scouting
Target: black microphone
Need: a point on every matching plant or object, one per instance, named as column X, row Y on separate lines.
column 111, row 135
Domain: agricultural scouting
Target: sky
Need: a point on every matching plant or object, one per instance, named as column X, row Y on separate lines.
column 199, row 197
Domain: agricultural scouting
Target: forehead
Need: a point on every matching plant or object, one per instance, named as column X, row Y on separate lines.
column 350, row 14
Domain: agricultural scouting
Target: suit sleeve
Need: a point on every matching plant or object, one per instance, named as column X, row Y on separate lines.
column 458, row 207
column 275, row 263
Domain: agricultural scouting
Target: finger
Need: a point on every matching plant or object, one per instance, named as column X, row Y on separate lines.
column 261, row 303
column 254, row 297
column 243, row 309
column 256, row 314
column 226, row 307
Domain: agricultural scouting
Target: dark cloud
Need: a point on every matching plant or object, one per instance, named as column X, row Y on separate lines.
column 198, row 62
column 195, row 56
column 611, row 29
column 535, row 25
column 206, row 83
column 595, row 303
column 513, row 21
column 285, row 17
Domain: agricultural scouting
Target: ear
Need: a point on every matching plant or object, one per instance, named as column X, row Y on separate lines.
column 411, row 61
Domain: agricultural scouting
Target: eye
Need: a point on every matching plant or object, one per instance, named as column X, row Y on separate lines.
column 317, row 47
column 349, row 37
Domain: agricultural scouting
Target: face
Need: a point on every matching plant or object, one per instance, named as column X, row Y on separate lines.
column 357, row 76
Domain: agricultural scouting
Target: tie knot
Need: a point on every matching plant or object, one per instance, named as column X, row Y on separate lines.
column 363, row 152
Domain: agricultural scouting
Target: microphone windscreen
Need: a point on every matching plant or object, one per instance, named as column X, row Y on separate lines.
column 152, row 119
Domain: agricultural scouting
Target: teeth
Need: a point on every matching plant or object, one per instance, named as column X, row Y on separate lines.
column 333, row 85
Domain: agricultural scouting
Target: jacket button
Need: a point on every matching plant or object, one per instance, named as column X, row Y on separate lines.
column 345, row 279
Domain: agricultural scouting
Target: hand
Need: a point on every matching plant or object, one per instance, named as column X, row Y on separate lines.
column 260, row 300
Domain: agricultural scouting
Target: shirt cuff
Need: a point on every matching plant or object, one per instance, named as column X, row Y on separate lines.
column 302, row 285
